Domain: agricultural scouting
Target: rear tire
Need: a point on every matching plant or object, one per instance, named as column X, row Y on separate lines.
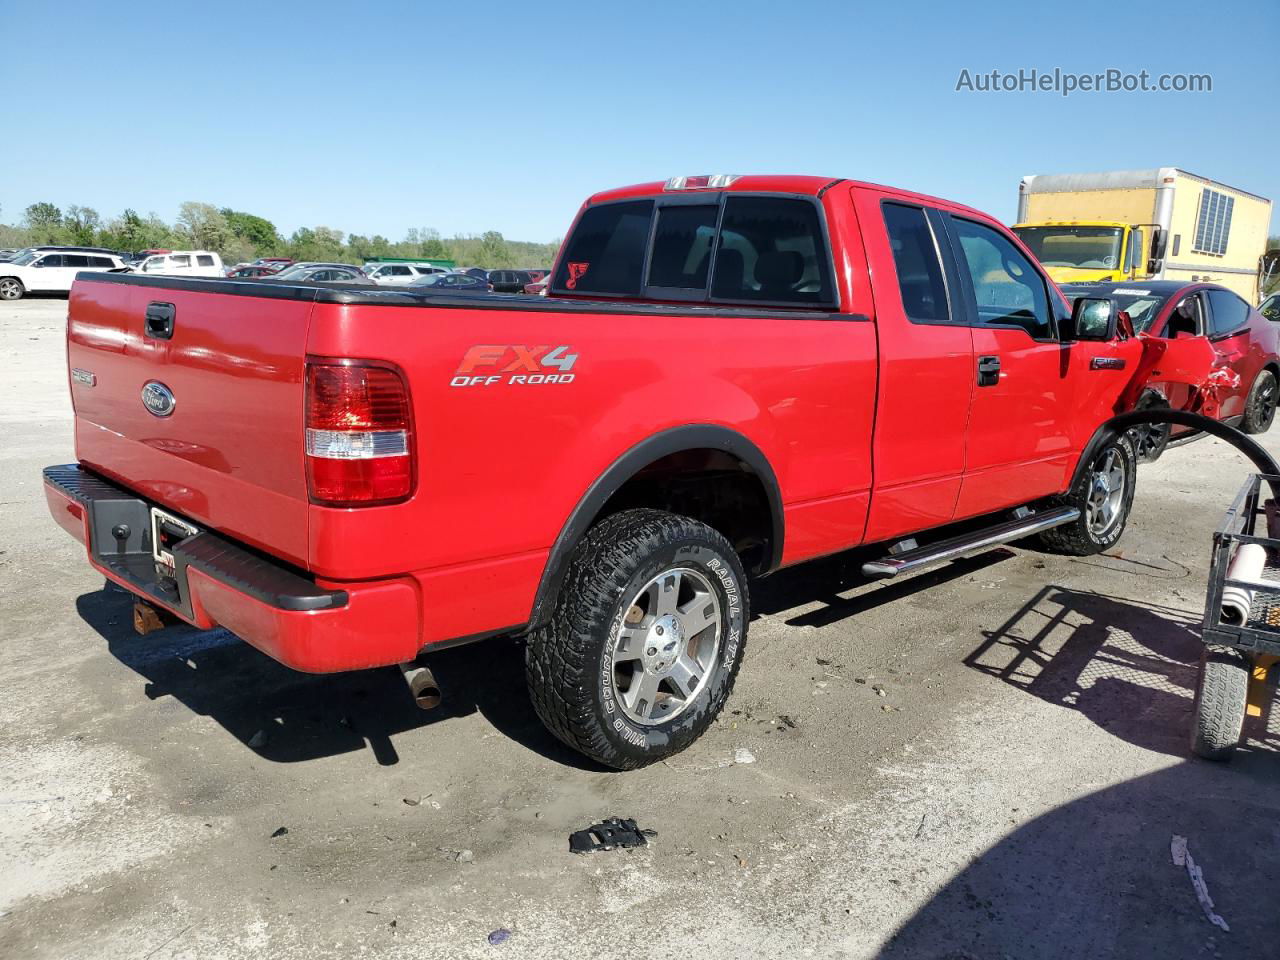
column 1104, row 496
column 11, row 288
column 632, row 667
column 1260, row 407
column 1221, row 695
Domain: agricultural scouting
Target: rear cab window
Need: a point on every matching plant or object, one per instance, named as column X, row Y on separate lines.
column 729, row 248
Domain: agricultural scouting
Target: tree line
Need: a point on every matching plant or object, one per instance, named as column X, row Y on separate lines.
column 237, row 236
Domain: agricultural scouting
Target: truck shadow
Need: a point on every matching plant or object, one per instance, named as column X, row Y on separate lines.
column 1129, row 667
column 1094, row 877
column 288, row 717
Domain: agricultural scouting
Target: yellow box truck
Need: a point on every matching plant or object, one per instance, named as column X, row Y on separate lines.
column 1160, row 224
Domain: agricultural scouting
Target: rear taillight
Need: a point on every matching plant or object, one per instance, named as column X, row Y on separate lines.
column 359, row 434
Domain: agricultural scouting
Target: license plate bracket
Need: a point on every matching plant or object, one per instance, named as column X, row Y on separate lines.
column 166, row 531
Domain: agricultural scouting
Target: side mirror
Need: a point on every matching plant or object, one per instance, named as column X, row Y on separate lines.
column 1158, row 241
column 1093, row 318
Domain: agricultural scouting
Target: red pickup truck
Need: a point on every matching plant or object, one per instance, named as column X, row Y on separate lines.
column 730, row 375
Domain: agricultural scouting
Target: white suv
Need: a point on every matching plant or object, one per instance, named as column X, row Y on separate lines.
column 184, row 263
column 400, row 274
column 43, row 271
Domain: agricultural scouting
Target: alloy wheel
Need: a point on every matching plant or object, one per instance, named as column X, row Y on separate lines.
column 665, row 650
column 1106, row 492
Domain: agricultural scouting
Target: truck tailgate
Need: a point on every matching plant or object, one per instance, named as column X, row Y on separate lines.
column 229, row 452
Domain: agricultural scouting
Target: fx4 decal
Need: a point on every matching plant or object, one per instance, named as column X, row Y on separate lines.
column 488, row 364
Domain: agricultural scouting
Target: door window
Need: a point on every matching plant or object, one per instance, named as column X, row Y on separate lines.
column 75, row 260
column 1227, row 312
column 915, row 257
column 52, row 260
column 180, row 260
column 1007, row 289
column 204, row 260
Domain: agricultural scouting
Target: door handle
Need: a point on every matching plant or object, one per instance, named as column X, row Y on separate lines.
column 159, row 323
column 988, row 371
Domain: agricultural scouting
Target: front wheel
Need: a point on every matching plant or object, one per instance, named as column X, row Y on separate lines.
column 11, row 288
column 645, row 640
column 1260, row 407
column 1150, row 439
column 1104, row 496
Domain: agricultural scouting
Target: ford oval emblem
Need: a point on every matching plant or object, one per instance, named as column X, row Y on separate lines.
column 157, row 398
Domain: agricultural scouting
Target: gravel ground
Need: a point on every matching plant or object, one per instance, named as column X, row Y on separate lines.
column 986, row 761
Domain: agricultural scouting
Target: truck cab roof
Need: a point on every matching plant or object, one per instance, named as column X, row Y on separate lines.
column 794, row 184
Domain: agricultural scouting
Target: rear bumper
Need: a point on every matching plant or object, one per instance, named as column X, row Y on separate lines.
column 305, row 624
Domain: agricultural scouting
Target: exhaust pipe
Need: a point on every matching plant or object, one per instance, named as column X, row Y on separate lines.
column 422, row 684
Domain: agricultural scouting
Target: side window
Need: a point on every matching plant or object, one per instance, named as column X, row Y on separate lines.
column 1271, row 308
column 682, row 246
column 53, row 260
column 75, row 260
column 915, row 257
column 1006, row 287
column 204, row 260
column 772, row 249
column 401, row 271
column 100, row 262
column 606, row 252
column 180, row 260
column 1186, row 320
column 1227, row 312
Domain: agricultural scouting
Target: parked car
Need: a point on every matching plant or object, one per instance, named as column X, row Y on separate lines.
column 1185, row 318
column 8, row 253
column 1270, row 307
column 320, row 273
column 476, row 272
column 48, row 272
column 183, row 263
column 400, row 274
column 275, row 263
column 598, row 477
column 538, row 287
column 509, row 281
column 61, row 248
column 451, row 283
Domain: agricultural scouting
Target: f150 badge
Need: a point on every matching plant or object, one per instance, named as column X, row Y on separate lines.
column 158, row 399
column 487, row 365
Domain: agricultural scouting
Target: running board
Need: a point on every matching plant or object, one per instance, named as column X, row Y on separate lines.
column 968, row 543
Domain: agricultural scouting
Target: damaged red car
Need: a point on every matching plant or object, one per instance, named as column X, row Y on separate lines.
column 1205, row 349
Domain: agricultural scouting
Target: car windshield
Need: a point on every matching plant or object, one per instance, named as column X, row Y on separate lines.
column 428, row 281
column 1142, row 306
column 22, row 259
column 1066, row 246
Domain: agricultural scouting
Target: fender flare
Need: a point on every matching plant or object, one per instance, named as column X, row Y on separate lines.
column 1265, row 463
column 674, row 440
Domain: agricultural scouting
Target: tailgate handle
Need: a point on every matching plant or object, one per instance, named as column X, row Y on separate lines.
column 160, row 320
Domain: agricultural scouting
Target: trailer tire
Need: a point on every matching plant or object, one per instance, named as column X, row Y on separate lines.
column 606, row 672
column 1221, row 692
column 1260, row 407
column 1103, row 512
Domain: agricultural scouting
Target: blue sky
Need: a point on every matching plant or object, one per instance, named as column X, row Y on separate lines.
column 377, row 118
